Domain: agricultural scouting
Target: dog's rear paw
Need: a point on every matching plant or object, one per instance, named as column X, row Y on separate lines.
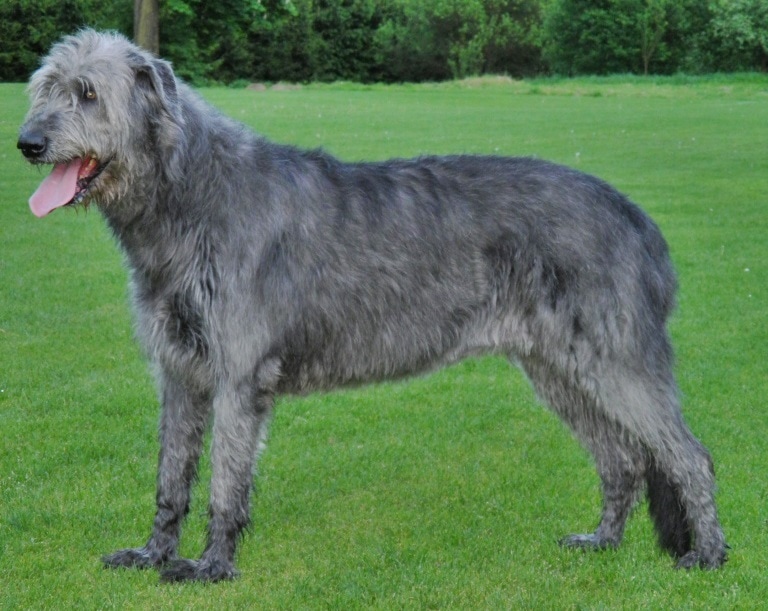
column 137, row 557
column 197, row 570
column 590, row 541
column 695, row 558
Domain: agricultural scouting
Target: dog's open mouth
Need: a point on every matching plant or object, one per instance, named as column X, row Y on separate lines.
column 67, row 184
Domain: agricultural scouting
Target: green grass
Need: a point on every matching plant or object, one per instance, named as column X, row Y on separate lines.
column 443, row 492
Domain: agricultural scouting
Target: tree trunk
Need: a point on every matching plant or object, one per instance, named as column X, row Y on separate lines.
column 146, row 25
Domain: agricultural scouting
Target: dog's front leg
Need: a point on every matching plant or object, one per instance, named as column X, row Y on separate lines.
column 240, row 421
column 183, row 422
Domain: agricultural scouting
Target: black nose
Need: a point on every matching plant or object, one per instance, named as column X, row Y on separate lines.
column 32, row 144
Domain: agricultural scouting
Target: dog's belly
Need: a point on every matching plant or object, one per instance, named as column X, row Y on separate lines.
column 352, row 359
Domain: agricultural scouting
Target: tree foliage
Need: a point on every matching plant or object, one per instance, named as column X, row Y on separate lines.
column 449, row 39
column 608, row 36
column 740, row 29
column 661, row 36
column 397, row 40
column 410, row 40
column 29, row 27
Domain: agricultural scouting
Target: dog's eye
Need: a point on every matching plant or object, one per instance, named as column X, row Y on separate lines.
column 89, row 95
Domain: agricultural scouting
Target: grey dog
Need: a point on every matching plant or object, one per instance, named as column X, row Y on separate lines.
column 259, row 269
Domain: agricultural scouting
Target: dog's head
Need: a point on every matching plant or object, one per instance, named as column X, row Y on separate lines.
column 102, row 110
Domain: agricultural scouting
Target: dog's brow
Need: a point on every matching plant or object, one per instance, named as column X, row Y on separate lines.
column 85, row 85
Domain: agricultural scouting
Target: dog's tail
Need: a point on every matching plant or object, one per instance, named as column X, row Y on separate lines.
column 667, row 512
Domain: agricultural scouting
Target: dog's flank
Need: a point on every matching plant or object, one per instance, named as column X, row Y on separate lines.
column 259, row 269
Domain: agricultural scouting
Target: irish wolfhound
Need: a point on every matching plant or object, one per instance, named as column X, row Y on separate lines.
column 259, row 269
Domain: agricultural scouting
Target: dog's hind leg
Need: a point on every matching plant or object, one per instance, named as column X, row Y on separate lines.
column 619, row 457
column 620, row 463
column 681, row 487
column 680, row 474
column 183, row 422
column 240, row 417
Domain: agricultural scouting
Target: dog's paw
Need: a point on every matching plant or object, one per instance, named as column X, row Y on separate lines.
column 137, row 557
column 590, row 541
column 197, row 570
column 695, row 558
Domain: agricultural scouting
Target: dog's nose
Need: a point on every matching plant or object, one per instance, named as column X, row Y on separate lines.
column 32, row 144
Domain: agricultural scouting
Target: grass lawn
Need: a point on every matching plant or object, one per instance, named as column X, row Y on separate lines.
column 448, row 491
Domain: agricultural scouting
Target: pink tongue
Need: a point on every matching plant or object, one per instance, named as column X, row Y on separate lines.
column 57, row 189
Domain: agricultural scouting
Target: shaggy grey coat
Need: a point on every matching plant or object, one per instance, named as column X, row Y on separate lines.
column 259, row 269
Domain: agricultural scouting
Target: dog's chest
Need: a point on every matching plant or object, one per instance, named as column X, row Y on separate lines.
column 171, row 320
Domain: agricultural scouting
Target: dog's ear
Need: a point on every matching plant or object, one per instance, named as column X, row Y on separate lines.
column 158, row 83
column 156, row 76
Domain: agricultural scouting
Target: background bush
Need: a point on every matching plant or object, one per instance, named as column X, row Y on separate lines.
column 411, row 40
